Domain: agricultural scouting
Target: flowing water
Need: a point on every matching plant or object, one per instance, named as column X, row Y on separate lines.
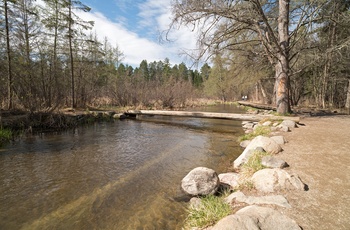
column 120, row 175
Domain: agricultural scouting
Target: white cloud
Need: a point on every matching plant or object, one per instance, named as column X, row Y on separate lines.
column 134, row 47
column 155, row 17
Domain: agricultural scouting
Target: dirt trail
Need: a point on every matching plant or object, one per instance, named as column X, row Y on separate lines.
column 319, row 152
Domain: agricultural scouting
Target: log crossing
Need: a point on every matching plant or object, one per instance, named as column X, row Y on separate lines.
column 257, row 106
column 230, row 116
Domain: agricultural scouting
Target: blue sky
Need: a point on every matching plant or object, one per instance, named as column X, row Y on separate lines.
column 136, row 26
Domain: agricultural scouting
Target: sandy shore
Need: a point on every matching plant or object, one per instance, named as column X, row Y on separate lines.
column 319, row 152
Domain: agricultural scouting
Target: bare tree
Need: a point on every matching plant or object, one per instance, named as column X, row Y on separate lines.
column 229, row 25
column 9, row 63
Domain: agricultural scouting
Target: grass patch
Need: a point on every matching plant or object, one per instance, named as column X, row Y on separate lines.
column 246, row 185
column 259, row 131
column 211, row 210
column 5, row 136
column 279, row 121
column 254, row 163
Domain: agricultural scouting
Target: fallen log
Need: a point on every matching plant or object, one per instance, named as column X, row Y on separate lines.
column 230, row 116
column 257, row 106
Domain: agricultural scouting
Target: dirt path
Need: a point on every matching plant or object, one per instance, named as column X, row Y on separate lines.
column 319, row 153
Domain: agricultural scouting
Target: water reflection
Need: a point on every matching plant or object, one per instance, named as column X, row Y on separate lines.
column 121, row 175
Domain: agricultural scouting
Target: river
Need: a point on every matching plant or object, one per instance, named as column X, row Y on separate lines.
column 118, row 175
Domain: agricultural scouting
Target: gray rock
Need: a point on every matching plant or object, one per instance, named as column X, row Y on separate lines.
column 279, row 140
column 230, row 179
column 260, row 149
column 273, row 162
column 290, row 124
column 200, row 181
column 249, row 125
column 119, row 116
column 283, row 128
column 278, row 200
column 236, row 222
column 256, row 218
column 195, row 202
column 245, row 143
column 256, row 126
column 271, row 180
column 266, row 143
column 267, row 123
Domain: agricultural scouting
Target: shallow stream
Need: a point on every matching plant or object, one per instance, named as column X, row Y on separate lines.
column 120, row 175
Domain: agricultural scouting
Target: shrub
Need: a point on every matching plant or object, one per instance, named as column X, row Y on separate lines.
column 211, row 210
column 5, row 135
column 254, row 163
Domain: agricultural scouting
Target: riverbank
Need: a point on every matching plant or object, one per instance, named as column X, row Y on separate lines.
column 15, row 122
column 317, row 152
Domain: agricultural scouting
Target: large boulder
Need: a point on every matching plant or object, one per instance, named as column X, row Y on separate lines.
column 271, row 180
column 256, row 218
column 200, row 181
column 283, row 128
column 290, row 124
column 266, row 143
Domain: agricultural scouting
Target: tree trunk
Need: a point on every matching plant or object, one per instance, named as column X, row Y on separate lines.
column 9, row 70
column 28, row 62
column 282, row 65
column 347, row 104
column 70, row 38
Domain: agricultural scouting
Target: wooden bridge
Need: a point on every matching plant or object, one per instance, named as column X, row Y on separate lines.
column 195, row 114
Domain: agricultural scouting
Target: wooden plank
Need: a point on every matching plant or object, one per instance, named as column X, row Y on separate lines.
column 258, row 106
column 231, row 116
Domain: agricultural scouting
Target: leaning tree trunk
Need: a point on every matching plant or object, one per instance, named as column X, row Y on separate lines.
column 282, row 65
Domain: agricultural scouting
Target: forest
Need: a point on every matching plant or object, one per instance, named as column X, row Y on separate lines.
column 288, row 53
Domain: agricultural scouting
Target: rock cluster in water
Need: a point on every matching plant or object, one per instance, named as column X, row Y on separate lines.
column 269, row 181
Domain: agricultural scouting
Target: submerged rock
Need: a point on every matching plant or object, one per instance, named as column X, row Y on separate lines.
column 200, row 181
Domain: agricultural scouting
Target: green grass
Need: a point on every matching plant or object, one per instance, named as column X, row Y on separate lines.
column 259, row 131
column 5, row 135
column 246, row 185
column 254, row 163
column 211, row 210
